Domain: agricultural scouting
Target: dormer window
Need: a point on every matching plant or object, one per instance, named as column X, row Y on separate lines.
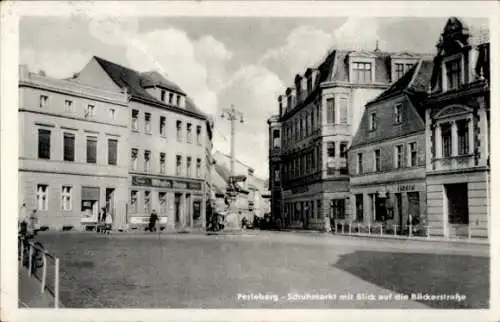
column 178, row 101
column 373, row 121
column 170, row 98
column 453, row 73
column 163, row 95
column 289, row 101
column 361, row 72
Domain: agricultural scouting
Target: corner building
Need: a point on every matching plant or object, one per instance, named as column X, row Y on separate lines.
column 72, row 151
column 319, row 115
column 458, row 135
column 169, row 146
column 387, row 156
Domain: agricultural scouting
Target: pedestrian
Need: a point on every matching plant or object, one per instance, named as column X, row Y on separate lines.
column 153, row 218
column 108, row 223
column 102, row 217
column 32, row 225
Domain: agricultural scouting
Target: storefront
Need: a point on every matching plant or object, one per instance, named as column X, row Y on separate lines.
column 302, row 207
column 395, row 205
column 178, row 203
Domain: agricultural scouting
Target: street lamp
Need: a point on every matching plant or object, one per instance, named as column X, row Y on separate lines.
column 232, row 115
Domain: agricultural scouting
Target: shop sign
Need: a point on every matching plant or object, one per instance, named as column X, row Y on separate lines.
column 406, row 187
column 162, row 183
column 141, row 181
column 194, row 185
column 239, row 178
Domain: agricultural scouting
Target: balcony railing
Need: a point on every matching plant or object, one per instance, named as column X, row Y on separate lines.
column 456, row 162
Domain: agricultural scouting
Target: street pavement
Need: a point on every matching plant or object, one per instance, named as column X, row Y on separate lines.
column 266, row 270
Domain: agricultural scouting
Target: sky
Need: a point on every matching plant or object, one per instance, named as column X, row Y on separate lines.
column 219, row 61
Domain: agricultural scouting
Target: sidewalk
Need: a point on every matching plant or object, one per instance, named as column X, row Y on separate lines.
column 30, row 295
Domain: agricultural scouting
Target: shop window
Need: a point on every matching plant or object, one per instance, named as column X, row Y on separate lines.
column 338, row 208
column 133, row 201
column 359, row 207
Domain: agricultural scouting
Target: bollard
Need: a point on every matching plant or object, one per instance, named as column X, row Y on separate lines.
column 335, row 224
column 395, row 230
column 369, row 229
column 428, row 231
column 44, row 272
column 381, row 230
column 343, row 228
column 30, row 260
column 411, row 231
column 56, row 283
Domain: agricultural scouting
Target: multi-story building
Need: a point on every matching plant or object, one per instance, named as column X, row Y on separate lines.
column 72, row 151
column 169, row 145
column 387, row 156
column 318, row 117
column 458, row 136
column 274, row 167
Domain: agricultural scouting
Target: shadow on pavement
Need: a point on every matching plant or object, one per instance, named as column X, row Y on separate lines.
column 407, row 273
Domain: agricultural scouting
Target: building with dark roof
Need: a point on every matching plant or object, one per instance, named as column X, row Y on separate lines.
column 387, row 157
column 169, row 145
column 458, row 126
column 318, row 117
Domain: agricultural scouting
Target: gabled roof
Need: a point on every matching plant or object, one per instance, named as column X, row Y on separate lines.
column 412, row 85
column 416, row 79
column 136, row 82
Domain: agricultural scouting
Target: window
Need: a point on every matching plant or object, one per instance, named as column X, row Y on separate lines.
column 301, row 128
column 412, row 151
column 112, row 114
column 331, row 149
column 179, row 131
column 69, row 147
column 276, row 138
column 198, row 135
column 178, row 165
column 399, row 70
column 361, row 73
column 178, row 100
column 376, row 158
column 373, row 121
column 453, row 73
column 397, row 113
column 359, row 207
column 296, row 129
column 147, row 201
column 338, row 208
column 398, row 161
column 147, row 123
column 42, row 197
column 188, row 166
column 313, row 123
column 163, row 126
column 135, row 120
column 44, row 100
column 68, row 105
column 112, row 151
column 343, row 149
column 147, row 161
column 163, row 168
column 89, row 112
column 91, row 149
column 163, row 94
column 343, row 111
column 198, row 168
column 189, row 134
column 43, row 144
column 170, row 98
column 330, row 110
column 446, row 139
column 306, row 131
column 133, row 201
column 133, row 158
column 463, row 137
column 359, row 169
column 66, row 204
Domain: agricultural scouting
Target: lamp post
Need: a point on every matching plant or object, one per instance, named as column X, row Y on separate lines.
column 232, row 115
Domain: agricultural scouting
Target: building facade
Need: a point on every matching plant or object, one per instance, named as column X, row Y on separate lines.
column 387, row 157
column 318, row 118
column 169, row 146
column 72, row 151
column 275, row 168
column 458, row 136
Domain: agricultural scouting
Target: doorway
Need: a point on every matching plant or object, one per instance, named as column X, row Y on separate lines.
column 414, row 207
column 177, row 209
column 162, row 197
